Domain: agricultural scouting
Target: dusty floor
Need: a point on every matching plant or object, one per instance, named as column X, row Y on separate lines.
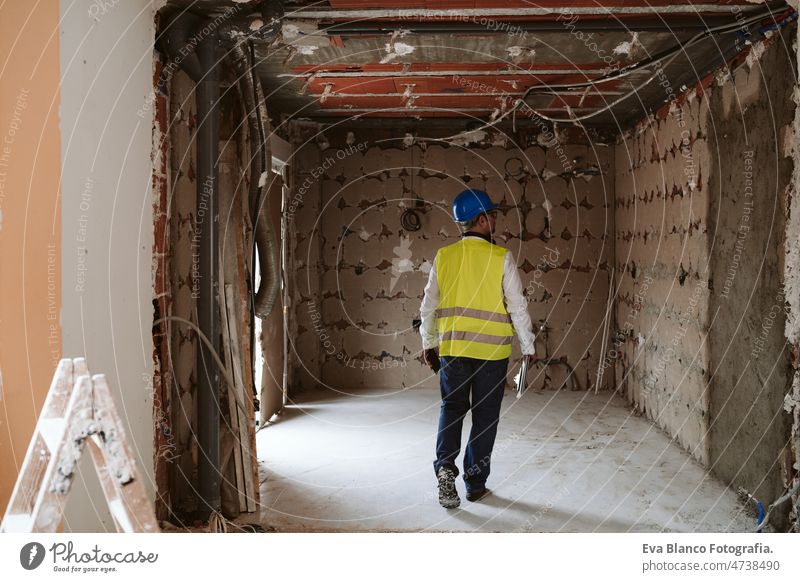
column 563, row 461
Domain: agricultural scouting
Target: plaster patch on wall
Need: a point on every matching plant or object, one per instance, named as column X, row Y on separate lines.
column 469, row 137
column 755, row 54
column 395, row 50
column 519, row 53
column 306, row 49
column 401, row 262
column 626, row 48
column 790, row 401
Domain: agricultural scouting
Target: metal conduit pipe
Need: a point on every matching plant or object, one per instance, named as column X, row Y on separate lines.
column 206, row 226
column 182, row 39
column 176, row 40
column 677, row 25
column 265, row 232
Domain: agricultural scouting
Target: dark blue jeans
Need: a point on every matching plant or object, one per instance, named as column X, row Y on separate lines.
column 485, row 381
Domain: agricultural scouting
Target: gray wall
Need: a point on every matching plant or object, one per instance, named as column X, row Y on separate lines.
column 107, row 219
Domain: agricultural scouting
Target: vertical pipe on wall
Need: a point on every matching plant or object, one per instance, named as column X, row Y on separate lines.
column 285, row 284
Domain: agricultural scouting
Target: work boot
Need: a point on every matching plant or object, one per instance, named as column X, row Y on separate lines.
column 448, row 496
column 477, row 494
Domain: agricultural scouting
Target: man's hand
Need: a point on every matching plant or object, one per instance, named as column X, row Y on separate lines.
column 431, row 358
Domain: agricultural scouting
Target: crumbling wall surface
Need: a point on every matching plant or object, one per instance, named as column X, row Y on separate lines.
column 162, row 300
column 306, row 337
column 791, row 270
column 662, row 243
column 700, row 215
column 748, row 184
column 179, row 220
column 555, row 218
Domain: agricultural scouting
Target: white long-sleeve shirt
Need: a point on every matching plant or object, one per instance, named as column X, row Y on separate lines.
column 515, row 302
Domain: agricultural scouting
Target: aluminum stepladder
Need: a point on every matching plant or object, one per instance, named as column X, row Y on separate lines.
column 77, row 412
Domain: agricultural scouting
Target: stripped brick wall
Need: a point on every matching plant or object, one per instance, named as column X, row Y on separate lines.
column 359, row 276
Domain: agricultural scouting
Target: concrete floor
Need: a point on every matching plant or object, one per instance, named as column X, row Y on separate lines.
column 563, row 462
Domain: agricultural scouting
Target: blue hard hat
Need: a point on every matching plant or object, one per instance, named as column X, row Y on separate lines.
column 471, row 203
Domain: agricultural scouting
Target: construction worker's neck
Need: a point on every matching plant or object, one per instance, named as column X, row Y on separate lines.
column 484, row 233
column 483, row 228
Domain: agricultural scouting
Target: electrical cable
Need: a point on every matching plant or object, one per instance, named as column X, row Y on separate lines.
column 783, row 498
column 262, row 150
column 625, row 71
column 670, row 53
column 410, row 221
column 204, row 338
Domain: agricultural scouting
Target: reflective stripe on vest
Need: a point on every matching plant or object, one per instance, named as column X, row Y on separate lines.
column 476, row 313
column 499, row 340
column 472, row 319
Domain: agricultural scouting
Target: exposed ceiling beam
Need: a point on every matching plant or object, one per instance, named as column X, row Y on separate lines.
column 467, row 13
column 454, row 94
column 679, row 23
column 413, row 110
column 499, row 72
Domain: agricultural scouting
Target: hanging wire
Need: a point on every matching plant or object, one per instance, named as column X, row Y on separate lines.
column 669, row 54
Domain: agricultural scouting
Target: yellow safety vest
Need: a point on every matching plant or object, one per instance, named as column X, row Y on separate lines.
column 472, row 319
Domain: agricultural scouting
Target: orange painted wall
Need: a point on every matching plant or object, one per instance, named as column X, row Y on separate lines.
column 30, row 223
